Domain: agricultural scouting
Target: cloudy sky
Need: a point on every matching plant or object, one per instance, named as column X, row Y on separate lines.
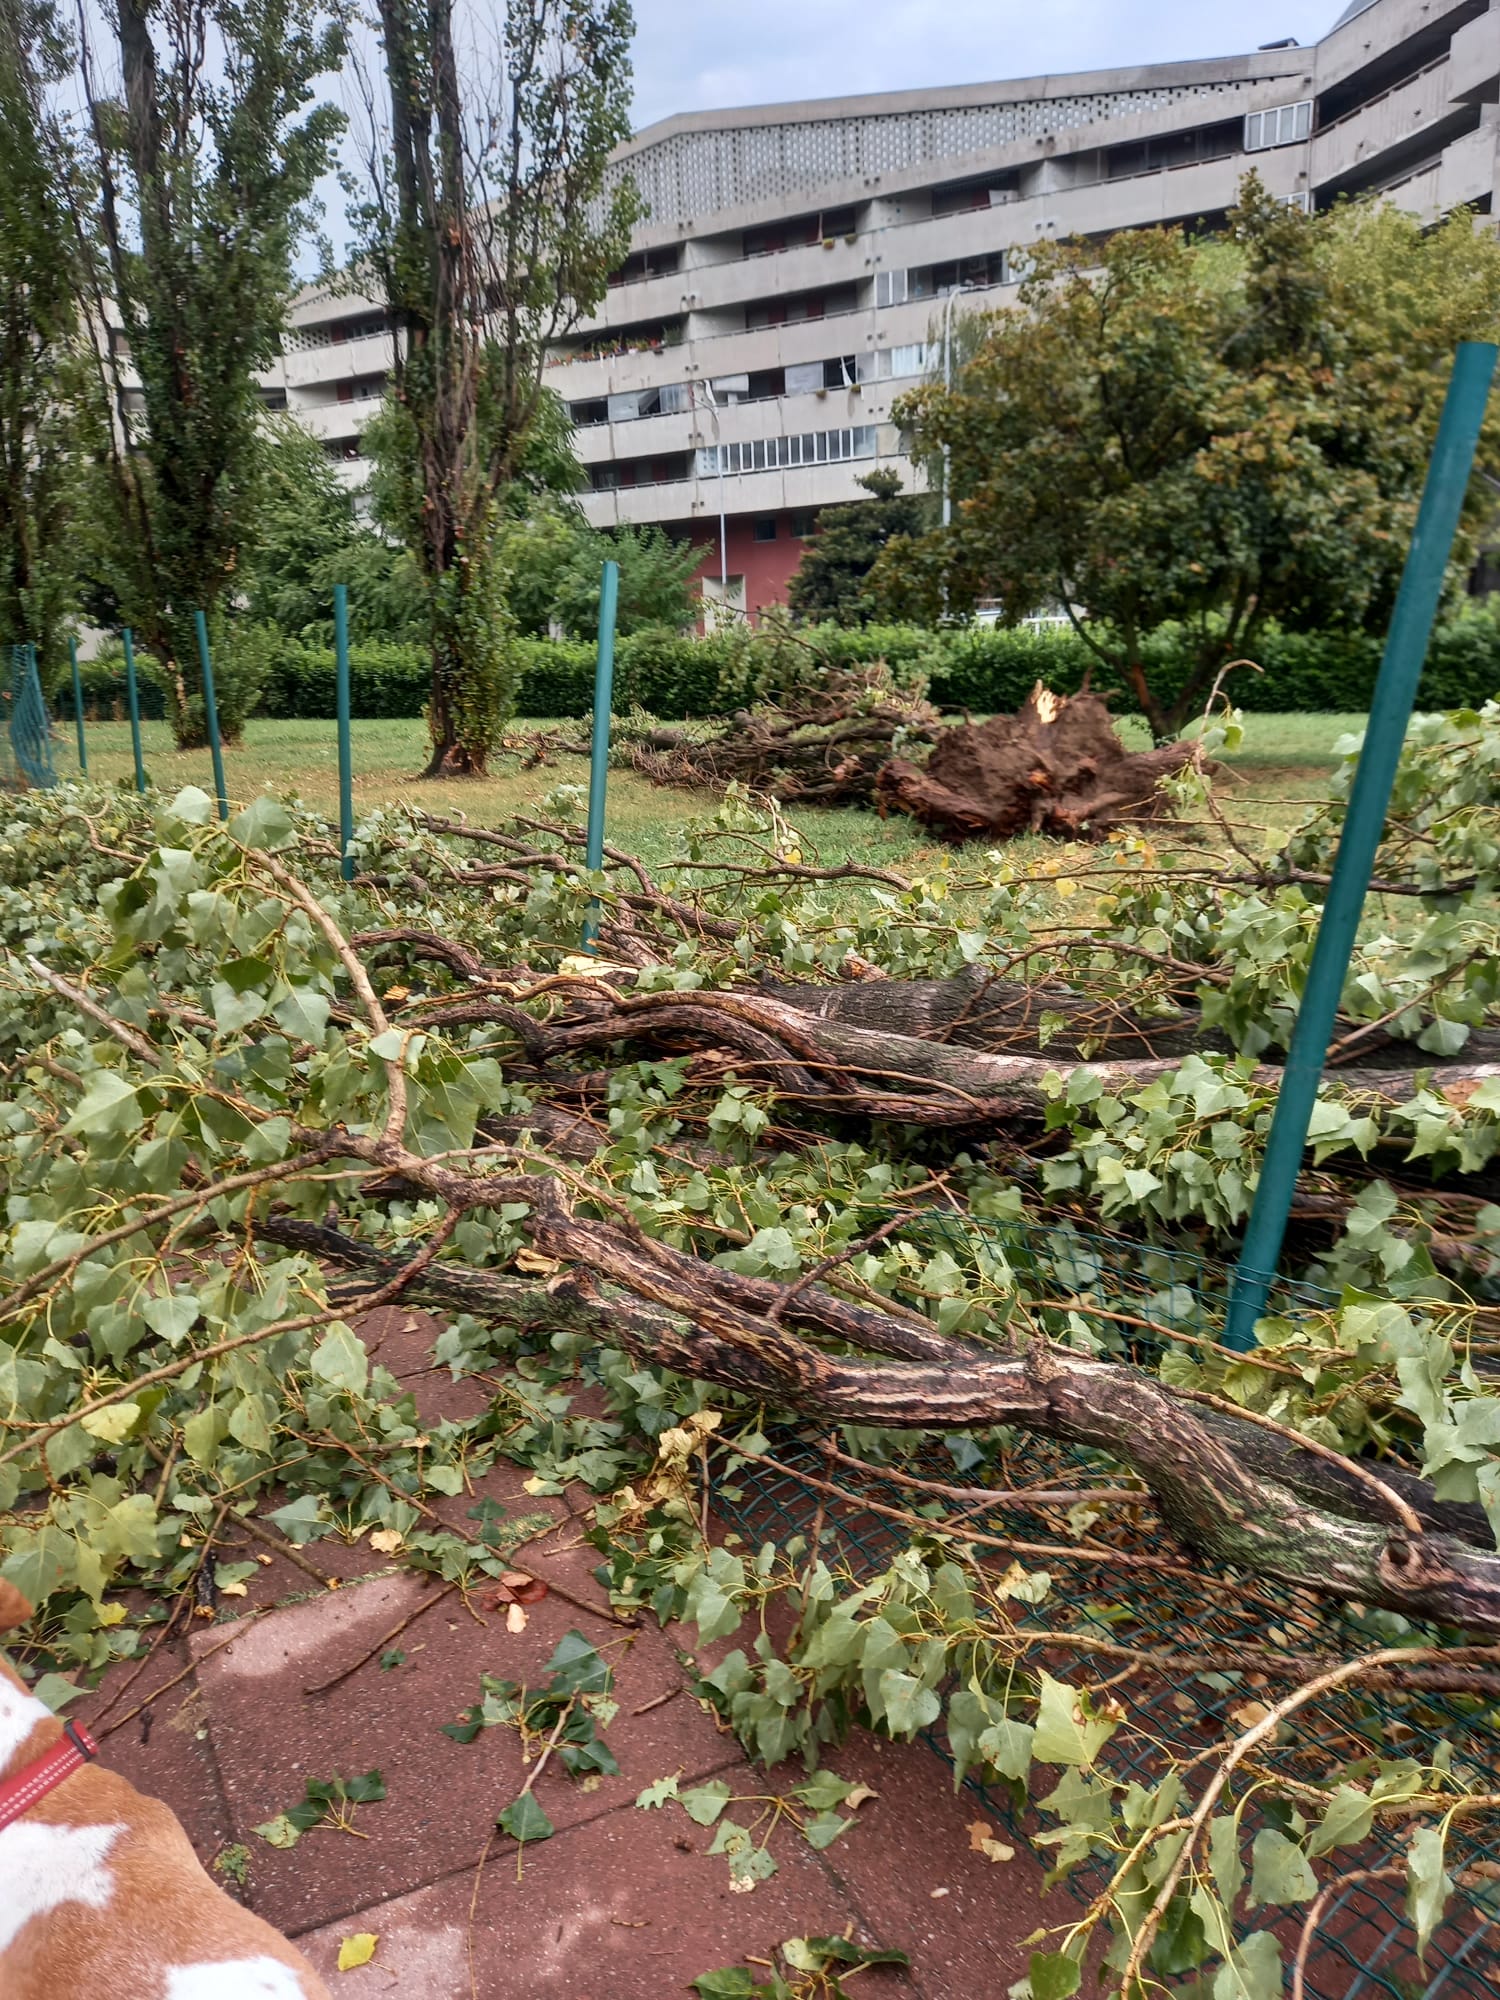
column 697, row 55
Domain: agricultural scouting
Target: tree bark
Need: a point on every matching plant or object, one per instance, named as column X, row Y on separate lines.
column 1230, row 1504
column 822, row 1060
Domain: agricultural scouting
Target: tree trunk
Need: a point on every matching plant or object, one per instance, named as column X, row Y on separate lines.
column 1226, row 1503
column 864, row 1071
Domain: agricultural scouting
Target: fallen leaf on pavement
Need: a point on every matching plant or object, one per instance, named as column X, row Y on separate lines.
column 357, row 1950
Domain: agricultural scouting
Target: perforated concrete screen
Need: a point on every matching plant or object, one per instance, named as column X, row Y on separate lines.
column 690, row 175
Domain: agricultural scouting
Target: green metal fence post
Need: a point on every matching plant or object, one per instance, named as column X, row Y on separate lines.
column 133, row 692
column 1364, row 823
column 604, row 688
column 346, row 754
column 83, row 755
column 211, row 712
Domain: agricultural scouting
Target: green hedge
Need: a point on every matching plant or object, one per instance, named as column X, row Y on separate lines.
column 980, row 668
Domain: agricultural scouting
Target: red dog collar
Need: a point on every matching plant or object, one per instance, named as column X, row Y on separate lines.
column 32, row 1784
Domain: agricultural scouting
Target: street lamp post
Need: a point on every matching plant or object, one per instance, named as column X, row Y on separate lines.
column 948, row 304
column 713, row 412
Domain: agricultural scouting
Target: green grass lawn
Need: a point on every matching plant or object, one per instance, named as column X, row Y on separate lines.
column 1285, row 761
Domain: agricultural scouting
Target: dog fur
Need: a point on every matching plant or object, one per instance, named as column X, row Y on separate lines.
column 101, row 1894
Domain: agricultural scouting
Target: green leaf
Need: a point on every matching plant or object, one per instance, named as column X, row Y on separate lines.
column 576, row 1667
column 1067, row 1731
column 731, row 1982
column 823, row 1829
column 1427, row 1886
column 1279, row 1870
column 523, row 1819
column 907, row 1705
column 112, row 1425
column 339, row 1359
column 109, row 1108
column 657, row 1794
column 1253, row 1971
column 1224, row 1857
column 705, row 1803
column 1053, row 1975
column 56, row 1691
column 823, row 1790
column 280, row 1831
column 365, row 1790
column 1345, row 1823
column 265, row 823
column 302, row 1520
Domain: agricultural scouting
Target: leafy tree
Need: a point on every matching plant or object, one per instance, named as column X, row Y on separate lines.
column 553, row 563
column 1219, row 433
column 830, row 585
column 304, row 518
column 36, row 339
column 308, row 537
column 201, row 176
column 493, row 225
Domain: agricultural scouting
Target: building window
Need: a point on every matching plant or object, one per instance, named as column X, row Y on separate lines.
column 890, row 288
column 776, row 454
column 595, row 411
column 803, row 526
column 765, row 528
column 1281, row 127
column 960, row 274
column 659, row 263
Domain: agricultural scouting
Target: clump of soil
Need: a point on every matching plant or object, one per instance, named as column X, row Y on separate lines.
column 1057, row 766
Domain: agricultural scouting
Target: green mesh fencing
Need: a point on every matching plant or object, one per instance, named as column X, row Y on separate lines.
column 26, row 741
column 1362, row 1947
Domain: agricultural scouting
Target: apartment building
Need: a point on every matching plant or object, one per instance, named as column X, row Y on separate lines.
column 799, row 262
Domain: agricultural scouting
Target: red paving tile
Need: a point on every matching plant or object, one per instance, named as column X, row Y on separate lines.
column 621, row 1904
column 912, row 1841
column 270, row 1737
column 615, row 1910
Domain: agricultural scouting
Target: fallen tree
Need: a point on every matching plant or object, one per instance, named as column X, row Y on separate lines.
column 1057, row 766
column 819, row 745
column 774, row 1169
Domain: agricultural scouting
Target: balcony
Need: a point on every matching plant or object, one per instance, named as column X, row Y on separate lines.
column 1415, row 112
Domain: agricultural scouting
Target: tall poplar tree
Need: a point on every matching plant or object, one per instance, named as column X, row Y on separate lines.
column 493, row 223
column 37, row 323
column 203, row 155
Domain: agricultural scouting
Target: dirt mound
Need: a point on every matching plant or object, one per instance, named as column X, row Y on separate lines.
column 1057, row 766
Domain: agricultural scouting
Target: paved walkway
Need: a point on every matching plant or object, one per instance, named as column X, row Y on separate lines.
column 621, row 1904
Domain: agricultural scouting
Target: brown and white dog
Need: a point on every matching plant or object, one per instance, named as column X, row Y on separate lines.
column 101, row 1895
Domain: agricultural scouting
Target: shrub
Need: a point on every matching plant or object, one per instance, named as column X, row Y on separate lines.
column 980, row 668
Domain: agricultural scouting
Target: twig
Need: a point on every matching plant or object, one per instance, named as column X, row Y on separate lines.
column 379, row 1297
column 287, row 1550
column 191, row 1667
column 811, row 1277
column 322, row 1687
column 1082, row 1553
column 997, row 1496
column 1402, row 1510
column 1269, row 1723
column 76, row 997
column 359, row 979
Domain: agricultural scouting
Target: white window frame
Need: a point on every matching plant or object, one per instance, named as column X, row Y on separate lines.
column 1281, row 125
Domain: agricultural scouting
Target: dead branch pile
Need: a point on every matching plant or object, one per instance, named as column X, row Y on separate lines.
column 823, row 746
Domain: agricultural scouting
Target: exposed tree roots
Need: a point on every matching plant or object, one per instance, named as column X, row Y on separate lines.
column 1057, row 767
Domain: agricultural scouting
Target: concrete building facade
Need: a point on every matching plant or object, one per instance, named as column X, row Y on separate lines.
column 797, row 262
